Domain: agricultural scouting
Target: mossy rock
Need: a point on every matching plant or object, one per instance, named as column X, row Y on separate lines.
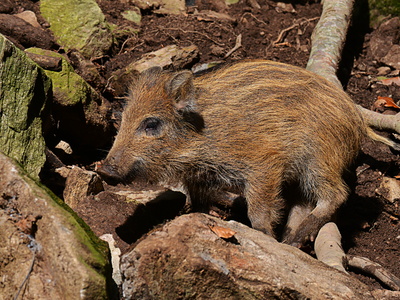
column 69, row 88
column 380, row 9
column 24, row 92
column 78, row 24
column 133, row 15
column 72, row 262
column 82, row 113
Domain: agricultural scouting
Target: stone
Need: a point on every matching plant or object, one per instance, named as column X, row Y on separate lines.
column 115, row 257
column 81, row 112
column 392, row 58
column 133, row 15
column 171, row 56
column 65, row 147
column 24, row 93
column 382, row 71
column 80, row 183
column 193, row 257
column 30, row 17
column 384, row 38
column 78, row 24
column 43, row 241
column 389, row 189
column 130, row 214
column 162, row 6
column 284, row 7
column 174, row 7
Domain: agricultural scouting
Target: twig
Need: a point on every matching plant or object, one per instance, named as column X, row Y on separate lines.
column 27, row 276
column 329, row 250
column 286, row 44
column 279, row 39
column 374, row 269
column 253, row 16
column 108, row 83
column 124, row 43
column 46, row 62
column 237, row 46
column 191, row 31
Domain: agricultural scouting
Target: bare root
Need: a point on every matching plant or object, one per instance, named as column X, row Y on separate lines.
column 328, row 247
column 329, row 250
column 328, row 40
column 374, row 269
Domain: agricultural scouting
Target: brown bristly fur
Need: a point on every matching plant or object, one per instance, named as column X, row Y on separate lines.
column 252, row 128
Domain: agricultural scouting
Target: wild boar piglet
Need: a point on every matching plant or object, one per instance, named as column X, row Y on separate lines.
column 253, row 128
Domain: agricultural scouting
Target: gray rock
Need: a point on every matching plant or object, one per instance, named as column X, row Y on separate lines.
column 43, row 241
column 171, row 56
column 197, row 256
column 384, row 43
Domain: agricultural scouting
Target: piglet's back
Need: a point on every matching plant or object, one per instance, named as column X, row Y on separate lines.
column 265, row 104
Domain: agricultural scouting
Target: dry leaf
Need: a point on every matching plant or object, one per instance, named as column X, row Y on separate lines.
column 222, row 232
column 389, row 102
column 382, row 102
column 389, row 81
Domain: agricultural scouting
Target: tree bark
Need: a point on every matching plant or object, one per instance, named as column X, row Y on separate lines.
column 328, row 40
column 329, row 37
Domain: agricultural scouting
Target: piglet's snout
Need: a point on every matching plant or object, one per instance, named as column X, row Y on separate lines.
column 108, row 171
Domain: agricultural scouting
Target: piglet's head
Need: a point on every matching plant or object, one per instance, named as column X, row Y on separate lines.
column 157, row 124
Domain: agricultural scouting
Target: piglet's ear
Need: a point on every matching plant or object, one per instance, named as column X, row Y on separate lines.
column 180, row 87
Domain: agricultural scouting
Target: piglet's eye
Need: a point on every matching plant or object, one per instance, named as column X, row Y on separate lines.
column 151, row 126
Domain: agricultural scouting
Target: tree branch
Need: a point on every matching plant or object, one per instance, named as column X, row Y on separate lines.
column 328, row 40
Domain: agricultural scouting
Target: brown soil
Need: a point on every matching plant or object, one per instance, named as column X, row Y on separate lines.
column 369, row 223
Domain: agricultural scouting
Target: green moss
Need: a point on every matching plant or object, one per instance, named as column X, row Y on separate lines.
column 380, row 9
column 24, row 90
column 92, row 252
column 78, row 24
column 69, row 88
column 133, row 16
column 386, row 7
